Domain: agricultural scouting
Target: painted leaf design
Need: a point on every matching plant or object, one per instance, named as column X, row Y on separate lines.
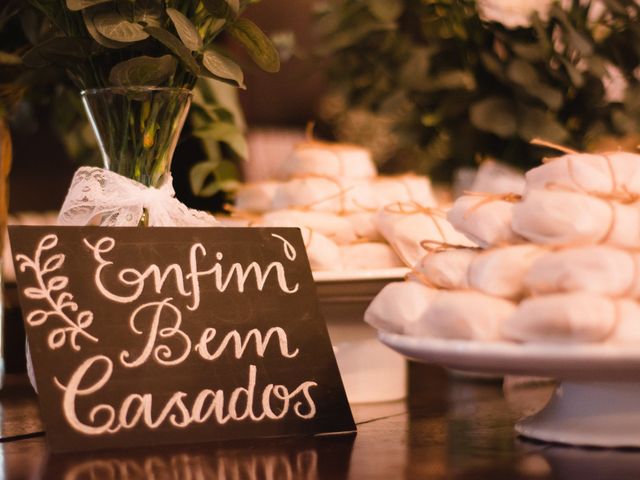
column 37, row 317
column 48, row 242
column 85, row 319
column 53, row 263
column 35, row 293
column 57, row 338
column 57, row 283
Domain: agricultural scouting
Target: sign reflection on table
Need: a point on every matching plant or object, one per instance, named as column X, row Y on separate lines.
column 279, row 459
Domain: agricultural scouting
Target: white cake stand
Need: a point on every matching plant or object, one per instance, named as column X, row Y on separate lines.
column 596, row 403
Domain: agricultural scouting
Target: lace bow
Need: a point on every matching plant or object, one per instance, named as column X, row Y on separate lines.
column 101, row 197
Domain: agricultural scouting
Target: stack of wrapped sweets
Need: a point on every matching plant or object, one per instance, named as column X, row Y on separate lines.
column 351, row 218
column 558, row 262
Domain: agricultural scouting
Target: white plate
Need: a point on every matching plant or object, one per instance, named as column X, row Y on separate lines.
column 597, row 402
column 567, row 362
column 360, row 275
column 354, row 287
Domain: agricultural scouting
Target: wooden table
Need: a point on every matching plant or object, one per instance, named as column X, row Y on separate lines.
column 447, row 428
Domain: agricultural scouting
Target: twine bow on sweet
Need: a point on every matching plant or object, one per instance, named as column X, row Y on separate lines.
column 101, row 197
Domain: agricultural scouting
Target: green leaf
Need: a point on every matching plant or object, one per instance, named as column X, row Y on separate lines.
column 62, row 50
column 227, row 174
column 199, row 174
column 522, row 73
column 174, row 44
column 227, row 9
column 492, row 64
column 143, row 70
column 186, row 30
column 223, row 67
column 259, row 47
column 115, row 27
column 529, row 51
column 494, row 115
column 623, row 122
column 210, row 177
column 385, row 10
column 575, row 75
column 89, row 15
column 536, row 123
column 76, row 5
column 226, row 133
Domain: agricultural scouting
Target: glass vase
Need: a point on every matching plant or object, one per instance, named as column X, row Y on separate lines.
column 137, row 129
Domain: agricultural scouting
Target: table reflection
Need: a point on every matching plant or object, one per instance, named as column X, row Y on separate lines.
column 281, row 459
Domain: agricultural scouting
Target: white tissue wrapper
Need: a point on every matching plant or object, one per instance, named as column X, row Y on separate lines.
column 495, row 177
column 463, row 315
column 447, row 269
column 404, row 188
column 329, row 160
column 324, row 254
column 398, row 306
column 558, row 217
column 598, row 269
column 501, row 271
column 365, row 226
column 562, row 318
column 588, row 172
column 256, row 197
column 406, row 231
column 486, row 222
column 323, row 194
column 332, row 226
column 627, row 330
column 368, row 256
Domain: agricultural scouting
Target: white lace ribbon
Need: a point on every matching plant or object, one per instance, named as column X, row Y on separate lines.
column 101, row 197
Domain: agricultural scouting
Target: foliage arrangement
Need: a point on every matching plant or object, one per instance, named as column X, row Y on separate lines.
column 150, row 42
column 121, row 43
column 433, row 85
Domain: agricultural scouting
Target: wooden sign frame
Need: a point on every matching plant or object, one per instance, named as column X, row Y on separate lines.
column 147, row 336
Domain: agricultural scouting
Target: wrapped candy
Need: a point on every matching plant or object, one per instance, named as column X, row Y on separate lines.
column 556, row 217
column 494, row 177
column 332, row 226
column 485, row 219
column 501, row 271
column 404, row 188
column 586, row 172
column 462, row 315
column 323, row 253
column 447, row 268
column 598, row 269
column 256, row 197
column 324, row 194
column 563, row 318
column 369, row 255
column 406, row 226
column 627, row 329
column 398, row 306
column 364, row 225
column 321, row 159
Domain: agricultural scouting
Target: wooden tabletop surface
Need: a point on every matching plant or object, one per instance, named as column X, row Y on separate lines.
column 448, row 427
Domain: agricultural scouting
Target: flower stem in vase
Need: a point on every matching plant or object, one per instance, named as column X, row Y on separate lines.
column 137, row 130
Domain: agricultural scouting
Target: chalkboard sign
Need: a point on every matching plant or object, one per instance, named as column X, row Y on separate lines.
column 145, row 336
